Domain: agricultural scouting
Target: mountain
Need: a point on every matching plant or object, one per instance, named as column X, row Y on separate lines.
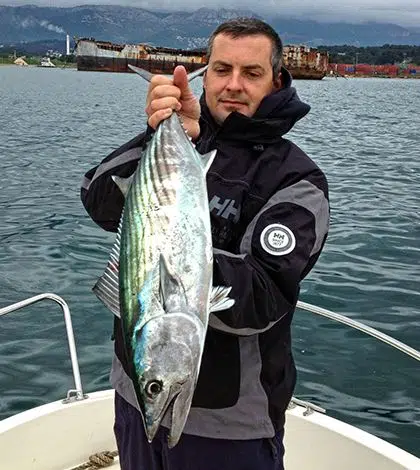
column 181, row 29
column 329, row 34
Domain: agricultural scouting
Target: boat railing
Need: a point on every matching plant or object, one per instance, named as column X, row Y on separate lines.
column 73, row 394
column 77, row 393
column 361, row 327
column 310, row 407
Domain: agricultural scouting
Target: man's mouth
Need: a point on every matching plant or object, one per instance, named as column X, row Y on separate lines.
column 233, row 103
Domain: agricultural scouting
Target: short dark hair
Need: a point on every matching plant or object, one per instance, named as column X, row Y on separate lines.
column 240, row 27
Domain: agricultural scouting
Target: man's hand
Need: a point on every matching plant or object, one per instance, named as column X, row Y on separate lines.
column 167, row 95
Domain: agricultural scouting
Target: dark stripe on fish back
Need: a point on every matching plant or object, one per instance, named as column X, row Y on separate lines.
column 161, row 170
column 152, row 163
column 164, row 194
column 143, row 199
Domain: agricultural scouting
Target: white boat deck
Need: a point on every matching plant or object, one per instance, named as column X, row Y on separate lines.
column 61, row 436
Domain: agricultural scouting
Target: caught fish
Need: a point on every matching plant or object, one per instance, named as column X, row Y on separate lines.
column 159, row 276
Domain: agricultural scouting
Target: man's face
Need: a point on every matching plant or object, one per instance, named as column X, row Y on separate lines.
column 239, row 75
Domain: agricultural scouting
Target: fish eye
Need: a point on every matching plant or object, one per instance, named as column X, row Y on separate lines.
column 153, row 388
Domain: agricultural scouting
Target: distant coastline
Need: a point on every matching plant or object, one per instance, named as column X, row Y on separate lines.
column 328, row 76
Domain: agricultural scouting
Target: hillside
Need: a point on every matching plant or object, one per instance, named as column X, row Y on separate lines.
column 181, row 29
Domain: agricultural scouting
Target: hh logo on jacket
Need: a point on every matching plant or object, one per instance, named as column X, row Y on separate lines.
column 227, row 208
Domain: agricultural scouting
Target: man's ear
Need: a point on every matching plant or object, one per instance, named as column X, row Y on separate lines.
column 278, row 81
column 204, row 79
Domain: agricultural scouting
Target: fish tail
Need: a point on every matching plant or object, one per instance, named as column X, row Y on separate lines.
column 148, row 75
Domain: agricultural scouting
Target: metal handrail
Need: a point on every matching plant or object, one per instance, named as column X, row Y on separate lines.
column 361, row 327
column 72, row 395
column 77, row 394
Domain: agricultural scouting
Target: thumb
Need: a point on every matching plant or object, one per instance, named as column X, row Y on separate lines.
column 181, row 81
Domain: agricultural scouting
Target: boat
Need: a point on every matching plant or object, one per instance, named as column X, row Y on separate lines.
column 91, row 55
column 305, row 63
column 77, row 432
column 46, row 62
column 21, row 62
column 103, row 56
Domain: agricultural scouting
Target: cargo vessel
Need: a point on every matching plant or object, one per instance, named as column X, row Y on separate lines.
column 301, row 61
column 105, row 56
column 307, row 63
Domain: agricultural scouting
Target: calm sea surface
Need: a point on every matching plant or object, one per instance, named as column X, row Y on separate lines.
column 365, row 135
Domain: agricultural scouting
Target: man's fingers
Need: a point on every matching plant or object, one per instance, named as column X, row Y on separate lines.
column 181, row 81
column 160, row 80
column 155, row 90
column 163, row 103
column 165, row 90
column 167, row 94
column 159, row 116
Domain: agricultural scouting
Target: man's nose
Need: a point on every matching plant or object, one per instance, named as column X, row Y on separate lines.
column 235, row 81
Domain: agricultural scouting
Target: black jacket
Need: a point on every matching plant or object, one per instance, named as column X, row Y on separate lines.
column 269, row 212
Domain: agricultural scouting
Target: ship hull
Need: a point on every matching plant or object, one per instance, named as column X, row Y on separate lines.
column 103, row 56
column 299, row 74
column 107, row 64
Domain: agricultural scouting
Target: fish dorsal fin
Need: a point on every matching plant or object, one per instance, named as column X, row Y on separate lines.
column 123, row 183
column 207, row 160
column 107, row 287
column 171, row 287
column 148, row 75
column 219, row 299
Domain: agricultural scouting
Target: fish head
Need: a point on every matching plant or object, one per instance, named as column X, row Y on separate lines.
column 167, row 361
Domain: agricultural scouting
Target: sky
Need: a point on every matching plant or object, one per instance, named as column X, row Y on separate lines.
column 402, row 12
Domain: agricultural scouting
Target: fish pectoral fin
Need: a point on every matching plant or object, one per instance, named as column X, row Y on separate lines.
column 123, row 183
column 152, row 306
column 146, row 297
column 219, row 299
column 171, row 287
column 207, row 160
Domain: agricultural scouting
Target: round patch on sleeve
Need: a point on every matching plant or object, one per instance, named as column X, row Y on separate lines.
column 278, row 240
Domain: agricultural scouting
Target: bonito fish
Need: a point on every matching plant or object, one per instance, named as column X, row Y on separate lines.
column 159, row 277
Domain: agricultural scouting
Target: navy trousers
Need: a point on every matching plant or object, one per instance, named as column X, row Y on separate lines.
column 191, row 452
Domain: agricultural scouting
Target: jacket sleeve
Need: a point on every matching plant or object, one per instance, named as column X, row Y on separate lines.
column 100, row 196
column 278, row 249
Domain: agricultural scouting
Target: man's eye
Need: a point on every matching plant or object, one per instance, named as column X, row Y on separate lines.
column 220, row 70
column 253, row 74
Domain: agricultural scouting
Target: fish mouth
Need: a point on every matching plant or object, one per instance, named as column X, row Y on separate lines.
column 180, row 408
column 152, row 428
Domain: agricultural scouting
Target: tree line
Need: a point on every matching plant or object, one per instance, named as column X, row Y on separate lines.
column 373, row 55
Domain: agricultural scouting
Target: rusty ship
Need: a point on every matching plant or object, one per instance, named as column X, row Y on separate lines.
column 91, row 55
column 105, row 56
column 306, row 63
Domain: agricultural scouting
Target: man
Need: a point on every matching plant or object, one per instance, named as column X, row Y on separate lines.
column 269, row 214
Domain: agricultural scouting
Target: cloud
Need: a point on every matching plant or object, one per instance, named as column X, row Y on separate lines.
column 403, row 12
